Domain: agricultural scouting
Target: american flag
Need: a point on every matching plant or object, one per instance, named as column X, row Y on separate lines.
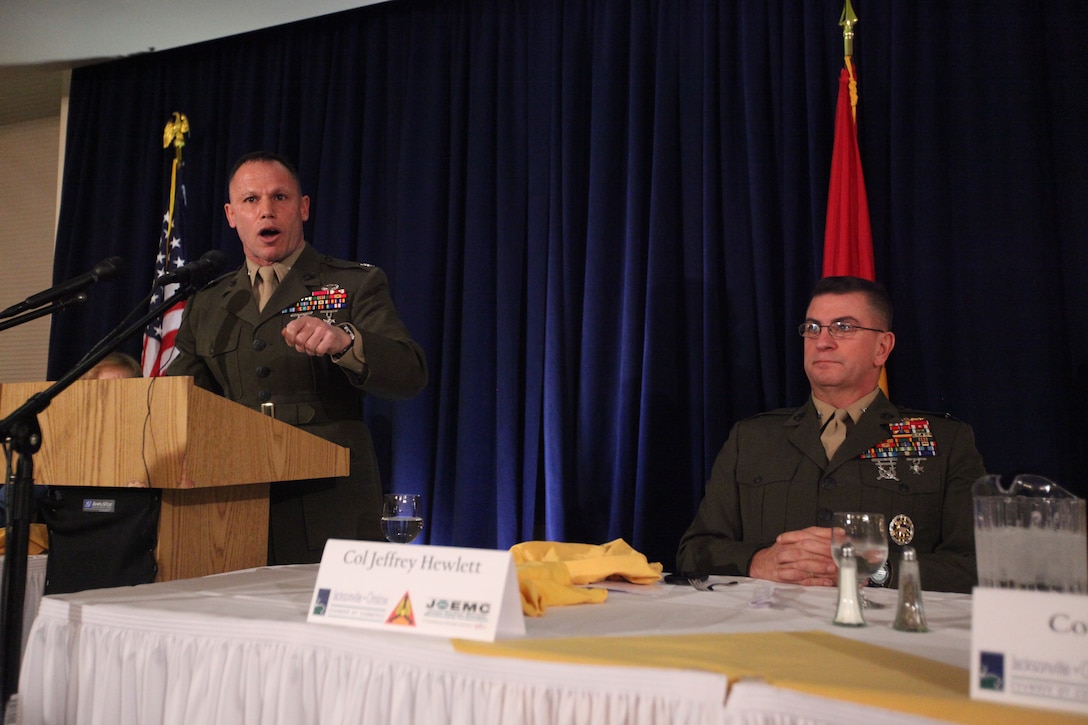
column 160, row 333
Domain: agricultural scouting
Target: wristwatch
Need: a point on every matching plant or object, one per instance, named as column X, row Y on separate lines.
column 880, row 577
column 351, row 333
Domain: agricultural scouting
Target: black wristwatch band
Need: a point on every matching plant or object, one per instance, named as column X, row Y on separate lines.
column 351, row 333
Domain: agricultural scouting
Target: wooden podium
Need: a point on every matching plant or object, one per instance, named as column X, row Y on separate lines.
column 212, row 459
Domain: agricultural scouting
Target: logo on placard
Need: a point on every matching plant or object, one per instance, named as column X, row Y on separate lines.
column 991, row 671
column 458, row 612
column 455, row 606
column 402, row 613
column 321, row 604
column 99, row 505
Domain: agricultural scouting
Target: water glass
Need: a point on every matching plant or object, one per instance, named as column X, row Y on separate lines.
column 402, row 517
column 868, row 535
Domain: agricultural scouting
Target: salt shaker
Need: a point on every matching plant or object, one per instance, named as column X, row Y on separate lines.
column 848, row 613
column 910, row 616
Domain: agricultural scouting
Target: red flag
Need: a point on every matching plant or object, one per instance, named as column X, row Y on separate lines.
column 848, row 238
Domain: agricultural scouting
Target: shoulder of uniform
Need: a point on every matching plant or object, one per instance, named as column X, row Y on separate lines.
column 222, row 283
column 780, row 414
column 337, row 263
column 909, row 413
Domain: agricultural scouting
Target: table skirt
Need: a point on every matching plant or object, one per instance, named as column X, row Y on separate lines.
column 135, row 670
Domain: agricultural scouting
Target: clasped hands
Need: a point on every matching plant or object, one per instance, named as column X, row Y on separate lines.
column 797, row 557
column 315, row 337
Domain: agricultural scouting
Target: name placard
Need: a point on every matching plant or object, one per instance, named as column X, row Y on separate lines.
column 1030, row 648
column 436, row 590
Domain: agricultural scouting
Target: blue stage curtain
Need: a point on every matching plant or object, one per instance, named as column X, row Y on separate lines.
column 602, row 220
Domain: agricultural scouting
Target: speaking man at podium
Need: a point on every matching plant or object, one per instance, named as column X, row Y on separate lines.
column 303, row 337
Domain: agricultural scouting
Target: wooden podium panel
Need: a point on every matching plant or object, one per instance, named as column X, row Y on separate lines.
column 213, row 460
column 212, row 530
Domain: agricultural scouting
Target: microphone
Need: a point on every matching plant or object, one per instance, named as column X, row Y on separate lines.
column 106, row 269
column 195, row 273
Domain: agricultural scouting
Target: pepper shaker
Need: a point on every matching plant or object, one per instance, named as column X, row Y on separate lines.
column 910, row 615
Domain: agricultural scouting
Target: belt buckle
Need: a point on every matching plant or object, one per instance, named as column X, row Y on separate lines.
column 268, row 409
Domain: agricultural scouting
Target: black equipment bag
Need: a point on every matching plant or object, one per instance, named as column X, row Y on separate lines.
column 100, row 537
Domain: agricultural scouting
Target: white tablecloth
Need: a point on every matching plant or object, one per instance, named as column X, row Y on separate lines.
column 236, row 648
column 35, row 586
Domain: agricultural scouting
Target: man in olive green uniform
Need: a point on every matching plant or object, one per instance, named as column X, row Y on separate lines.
column 326, row 335
column 780, row 476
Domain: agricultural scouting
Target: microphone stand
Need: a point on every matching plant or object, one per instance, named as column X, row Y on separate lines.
column 49, row 309
column 26, row 439
column 18, row 510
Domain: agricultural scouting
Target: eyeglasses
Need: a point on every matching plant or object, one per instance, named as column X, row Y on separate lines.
column 837, row 329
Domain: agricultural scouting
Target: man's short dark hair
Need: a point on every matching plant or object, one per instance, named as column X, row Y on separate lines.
column 878, row 297
column 268, row 156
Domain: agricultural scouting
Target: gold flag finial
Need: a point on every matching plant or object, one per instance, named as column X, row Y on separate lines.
column 176, row 130
column 174, row 133
column 847, row 20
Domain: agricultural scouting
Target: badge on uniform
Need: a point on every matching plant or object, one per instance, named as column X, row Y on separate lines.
column 322, row 302
column 901, row 529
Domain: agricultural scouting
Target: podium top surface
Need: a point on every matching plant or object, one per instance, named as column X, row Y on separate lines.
column 167, row 433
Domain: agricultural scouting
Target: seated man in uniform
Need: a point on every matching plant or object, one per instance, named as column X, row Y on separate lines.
column 781, row 475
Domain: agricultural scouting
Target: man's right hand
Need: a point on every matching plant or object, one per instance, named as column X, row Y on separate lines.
column 797, row 557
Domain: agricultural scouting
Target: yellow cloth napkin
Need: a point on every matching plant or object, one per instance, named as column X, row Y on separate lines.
column 547, row 583
column 550, row 572
column 39, row 540
column 813, row 662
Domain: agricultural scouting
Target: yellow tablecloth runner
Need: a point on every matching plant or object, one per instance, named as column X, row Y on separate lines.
column 812, row 662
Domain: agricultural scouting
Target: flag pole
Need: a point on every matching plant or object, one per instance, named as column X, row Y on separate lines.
column 175, row 132
column 848, row 240
column 848, row 20
column 158, row 345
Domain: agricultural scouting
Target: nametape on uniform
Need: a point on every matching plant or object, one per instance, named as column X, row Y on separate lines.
column 1030, row 648
column 437, row 590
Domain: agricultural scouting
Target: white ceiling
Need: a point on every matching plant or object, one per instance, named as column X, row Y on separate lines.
column 41, row 39
column 33, row 32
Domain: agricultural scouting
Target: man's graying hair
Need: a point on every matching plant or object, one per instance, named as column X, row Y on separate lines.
column 874, row 292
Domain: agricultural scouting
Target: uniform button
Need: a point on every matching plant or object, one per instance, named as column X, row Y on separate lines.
column 827, row 484
column 264, row 395
column 904, row 488
column 757, row 480
column 262, row 371
column 258, row 345
column 823, row 515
